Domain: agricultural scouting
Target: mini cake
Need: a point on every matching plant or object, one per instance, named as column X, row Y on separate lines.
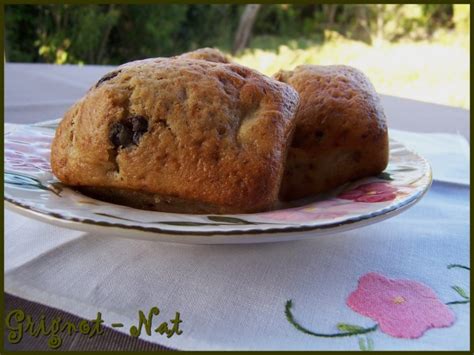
column 179, row 135
column 341, row 131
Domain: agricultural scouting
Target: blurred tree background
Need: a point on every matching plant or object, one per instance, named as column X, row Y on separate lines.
column 394, row 44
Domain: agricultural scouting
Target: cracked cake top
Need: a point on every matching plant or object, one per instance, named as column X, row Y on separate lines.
column 201, row 131
column 209, row 54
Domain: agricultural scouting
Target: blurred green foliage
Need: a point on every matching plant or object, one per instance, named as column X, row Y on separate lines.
column 113, row 34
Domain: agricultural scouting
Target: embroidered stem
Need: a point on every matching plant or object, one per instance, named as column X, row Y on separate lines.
column 291, row 319
column 459, row 302
column 450, row 266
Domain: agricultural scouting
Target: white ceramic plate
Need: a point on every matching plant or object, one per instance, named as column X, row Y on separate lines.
column 32, row 190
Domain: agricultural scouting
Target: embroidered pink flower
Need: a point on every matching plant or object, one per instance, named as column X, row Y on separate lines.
column 402, row 308
column 372, row 192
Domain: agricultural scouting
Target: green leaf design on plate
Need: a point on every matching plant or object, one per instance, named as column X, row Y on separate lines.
column 401, row 168
column 460, row 292
column 385, row 176
column 169, row 223
column 23, row 181
column 49, row 125
column 221, row 221
column 56, row 188
column 344, row 327
column 225, row 219
column 116, row 217
column 187, row 224
column 30, row 183
column 86, row 202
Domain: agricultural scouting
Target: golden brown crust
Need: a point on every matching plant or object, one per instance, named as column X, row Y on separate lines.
column 209, row 54
column 341, row 131
column 214, row 133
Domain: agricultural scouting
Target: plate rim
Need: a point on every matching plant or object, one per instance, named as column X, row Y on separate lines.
column 369, row 217
column 387, row 211
column 210, row 238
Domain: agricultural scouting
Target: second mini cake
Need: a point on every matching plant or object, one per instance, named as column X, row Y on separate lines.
column 341, row 131
column 209, row 54
column 179, row 135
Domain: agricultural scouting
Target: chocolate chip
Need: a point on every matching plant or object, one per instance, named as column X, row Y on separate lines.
column 318, row 135
column 139, row 123
column 120, row 135
column 139, row 127
column 128, row 131
column 107, row 76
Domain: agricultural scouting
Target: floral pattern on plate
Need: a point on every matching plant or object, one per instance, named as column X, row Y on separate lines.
column 31, row 188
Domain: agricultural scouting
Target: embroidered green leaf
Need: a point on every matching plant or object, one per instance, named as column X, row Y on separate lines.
column 225, row 219
column 385, row 176
column 366, row 344
column 370, row 344
column 460, row 291
column 290, row 318
column 343, row 327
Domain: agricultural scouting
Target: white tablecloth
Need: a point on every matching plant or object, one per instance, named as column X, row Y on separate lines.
column 234, row 296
